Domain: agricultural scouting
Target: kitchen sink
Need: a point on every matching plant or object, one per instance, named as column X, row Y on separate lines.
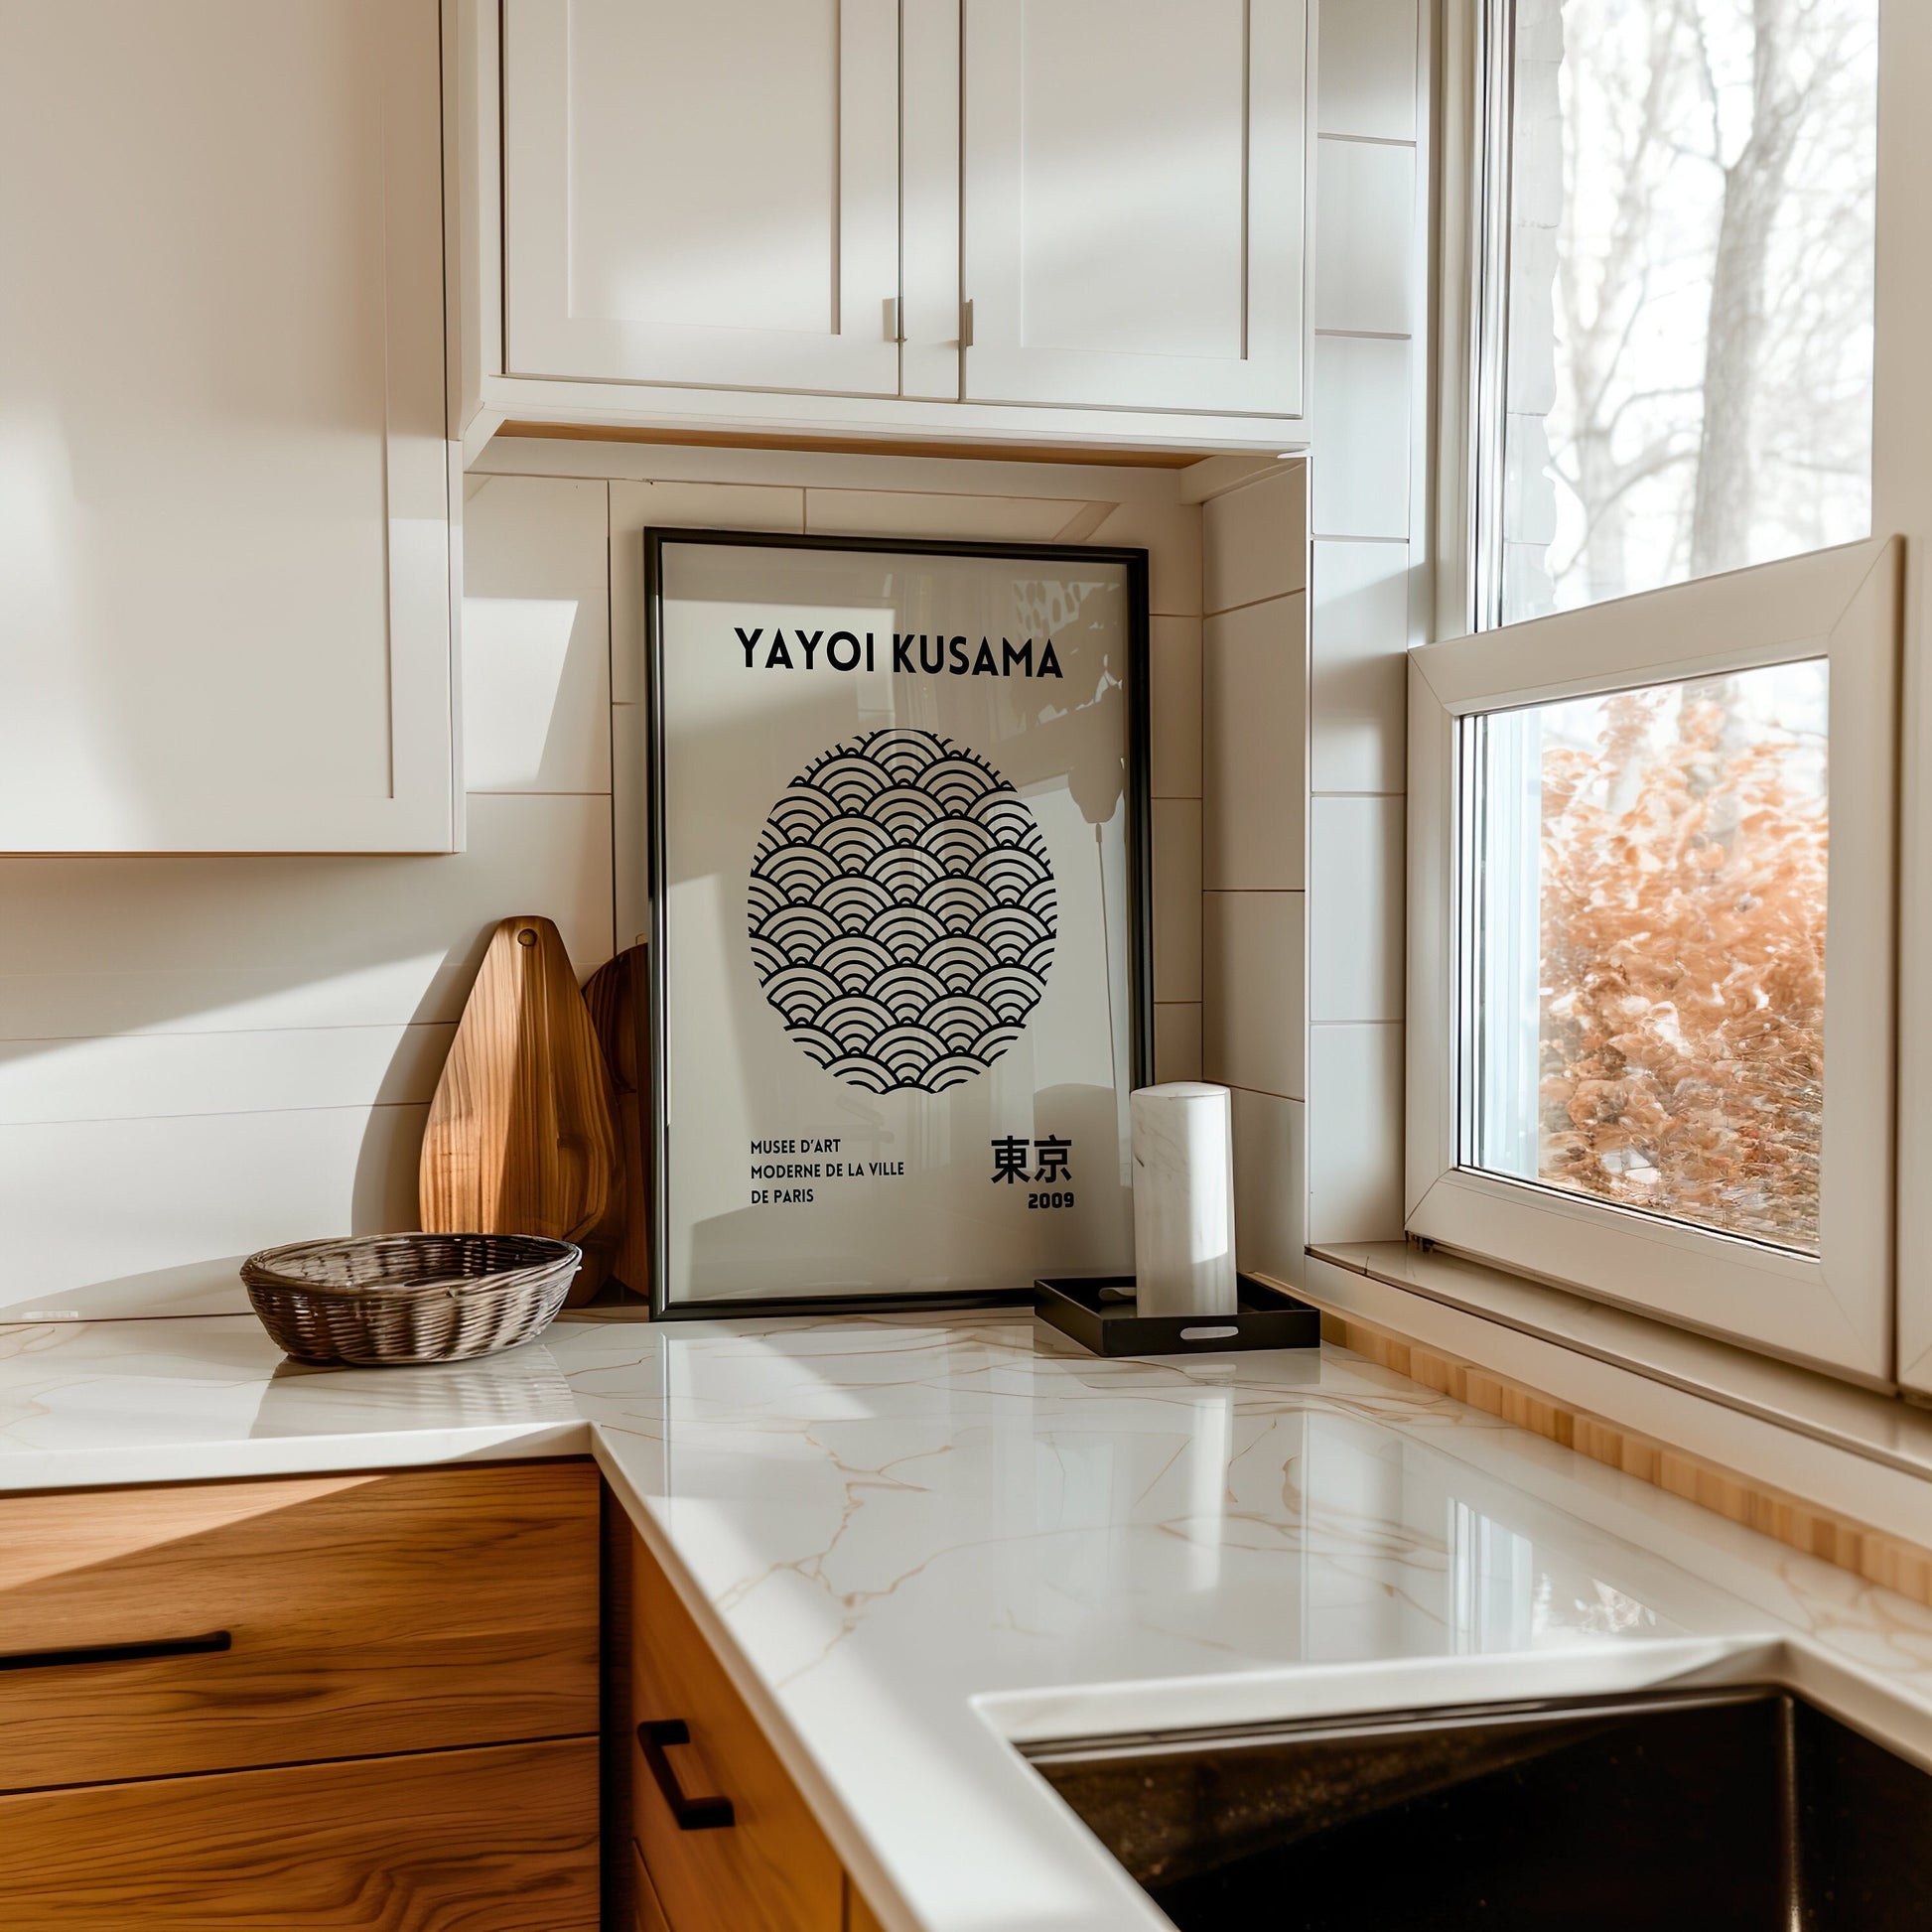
column 1728, row 1810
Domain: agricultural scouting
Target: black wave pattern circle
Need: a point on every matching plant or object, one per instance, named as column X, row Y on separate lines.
column 902, row 912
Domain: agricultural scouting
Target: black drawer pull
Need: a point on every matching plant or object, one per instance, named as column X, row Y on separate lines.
column 116, row 1653
column 656, row 1738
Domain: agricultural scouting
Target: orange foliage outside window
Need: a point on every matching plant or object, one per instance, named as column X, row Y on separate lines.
column 1682, row 1023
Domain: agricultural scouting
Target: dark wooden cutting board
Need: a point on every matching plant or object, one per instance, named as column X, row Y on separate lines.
column 522, row 1134
column 618, row 997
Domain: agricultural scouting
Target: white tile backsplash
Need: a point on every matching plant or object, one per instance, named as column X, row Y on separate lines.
column 1366, row 69
column 1176, row 899
column 1355, row 899
column 1254, row 540
column 1253, row 1000
column 1255, row 738
column 1358, row 637
column 1177, row 1042
column 1365, row 214
column 1269, row 1184
column 1359, row 477
column 1355, row 1152
column 1174, row 691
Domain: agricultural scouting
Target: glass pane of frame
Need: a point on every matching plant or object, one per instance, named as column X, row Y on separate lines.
column 1642, row 901
column 1690, row 292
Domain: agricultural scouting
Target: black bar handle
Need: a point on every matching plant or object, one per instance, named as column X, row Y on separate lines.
column 656, row 1738
column 116, row 1653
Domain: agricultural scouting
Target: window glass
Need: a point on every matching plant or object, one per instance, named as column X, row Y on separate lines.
column 1642, row 894
column 1690, row 292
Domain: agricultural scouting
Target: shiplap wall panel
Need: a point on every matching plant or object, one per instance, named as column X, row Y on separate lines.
column 151, row 1216
column 131, row 1076
column 107, row 945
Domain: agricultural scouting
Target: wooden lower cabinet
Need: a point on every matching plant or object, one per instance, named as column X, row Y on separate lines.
column 858, row 1914
column 276, row 1622
column 301, row 1705
column 499, row 1840
column 770, row 1868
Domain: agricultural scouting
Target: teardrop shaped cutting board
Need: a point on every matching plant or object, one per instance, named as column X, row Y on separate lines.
column 522, row 1134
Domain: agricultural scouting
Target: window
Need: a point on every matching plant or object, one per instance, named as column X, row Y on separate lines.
column 1683, row 260
column 1655, row 794
column 1650, row 1041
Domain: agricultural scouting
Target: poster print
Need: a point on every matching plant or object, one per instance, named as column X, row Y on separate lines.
column 898, row 958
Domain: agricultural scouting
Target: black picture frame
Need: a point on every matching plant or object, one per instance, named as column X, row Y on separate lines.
column 1140, row 890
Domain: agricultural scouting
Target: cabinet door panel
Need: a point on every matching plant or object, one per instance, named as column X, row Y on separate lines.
column 702, row 193
column 1132, row 190
column 483, row 1840
column 771, row 1870
column 225, row 555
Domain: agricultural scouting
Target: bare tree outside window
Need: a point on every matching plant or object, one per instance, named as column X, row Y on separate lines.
column 1691, row 286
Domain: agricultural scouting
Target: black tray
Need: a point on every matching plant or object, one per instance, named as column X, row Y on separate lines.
column 1098, row 1312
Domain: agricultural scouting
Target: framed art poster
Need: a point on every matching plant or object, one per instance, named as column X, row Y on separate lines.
column 899, row 964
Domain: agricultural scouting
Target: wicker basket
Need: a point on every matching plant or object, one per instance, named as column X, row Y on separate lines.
column 390, row 1299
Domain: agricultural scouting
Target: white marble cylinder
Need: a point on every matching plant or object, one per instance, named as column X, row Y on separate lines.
column 1183, row 1199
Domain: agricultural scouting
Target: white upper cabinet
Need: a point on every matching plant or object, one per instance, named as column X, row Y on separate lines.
column 988, row 219
column 1133, row 202
column 702, row 193
column 225, row 508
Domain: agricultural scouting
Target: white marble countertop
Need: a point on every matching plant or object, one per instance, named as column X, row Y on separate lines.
column 917, row 1540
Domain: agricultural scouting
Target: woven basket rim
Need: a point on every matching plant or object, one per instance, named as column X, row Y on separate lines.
column 263, row 1270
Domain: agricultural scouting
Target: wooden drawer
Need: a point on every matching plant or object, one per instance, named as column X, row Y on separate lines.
column 361, row 1614
column 476, row 1840
column 771, row 1870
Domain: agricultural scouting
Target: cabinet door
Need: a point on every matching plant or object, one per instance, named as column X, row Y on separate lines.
column 702, row 193
column 770, row 1869
column 503, row 1840
column 1133, row 202
column 224, row 505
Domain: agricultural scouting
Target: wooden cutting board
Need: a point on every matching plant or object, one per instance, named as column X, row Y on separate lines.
column 618, row 997
column 522, row 1134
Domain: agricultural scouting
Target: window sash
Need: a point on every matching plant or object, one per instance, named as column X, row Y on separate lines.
column 1835, row 1310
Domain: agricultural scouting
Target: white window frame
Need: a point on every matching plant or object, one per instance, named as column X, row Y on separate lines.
column 1851, row 605
column 1838, row 605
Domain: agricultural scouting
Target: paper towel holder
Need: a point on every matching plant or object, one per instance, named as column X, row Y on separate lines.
column 1100, row 1312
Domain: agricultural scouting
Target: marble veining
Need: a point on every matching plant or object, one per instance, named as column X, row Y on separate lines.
column 918, row 1539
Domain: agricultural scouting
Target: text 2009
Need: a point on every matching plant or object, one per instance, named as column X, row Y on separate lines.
column 1065, row 1200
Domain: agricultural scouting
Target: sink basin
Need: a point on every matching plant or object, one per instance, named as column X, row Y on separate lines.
column 1736, row 1809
